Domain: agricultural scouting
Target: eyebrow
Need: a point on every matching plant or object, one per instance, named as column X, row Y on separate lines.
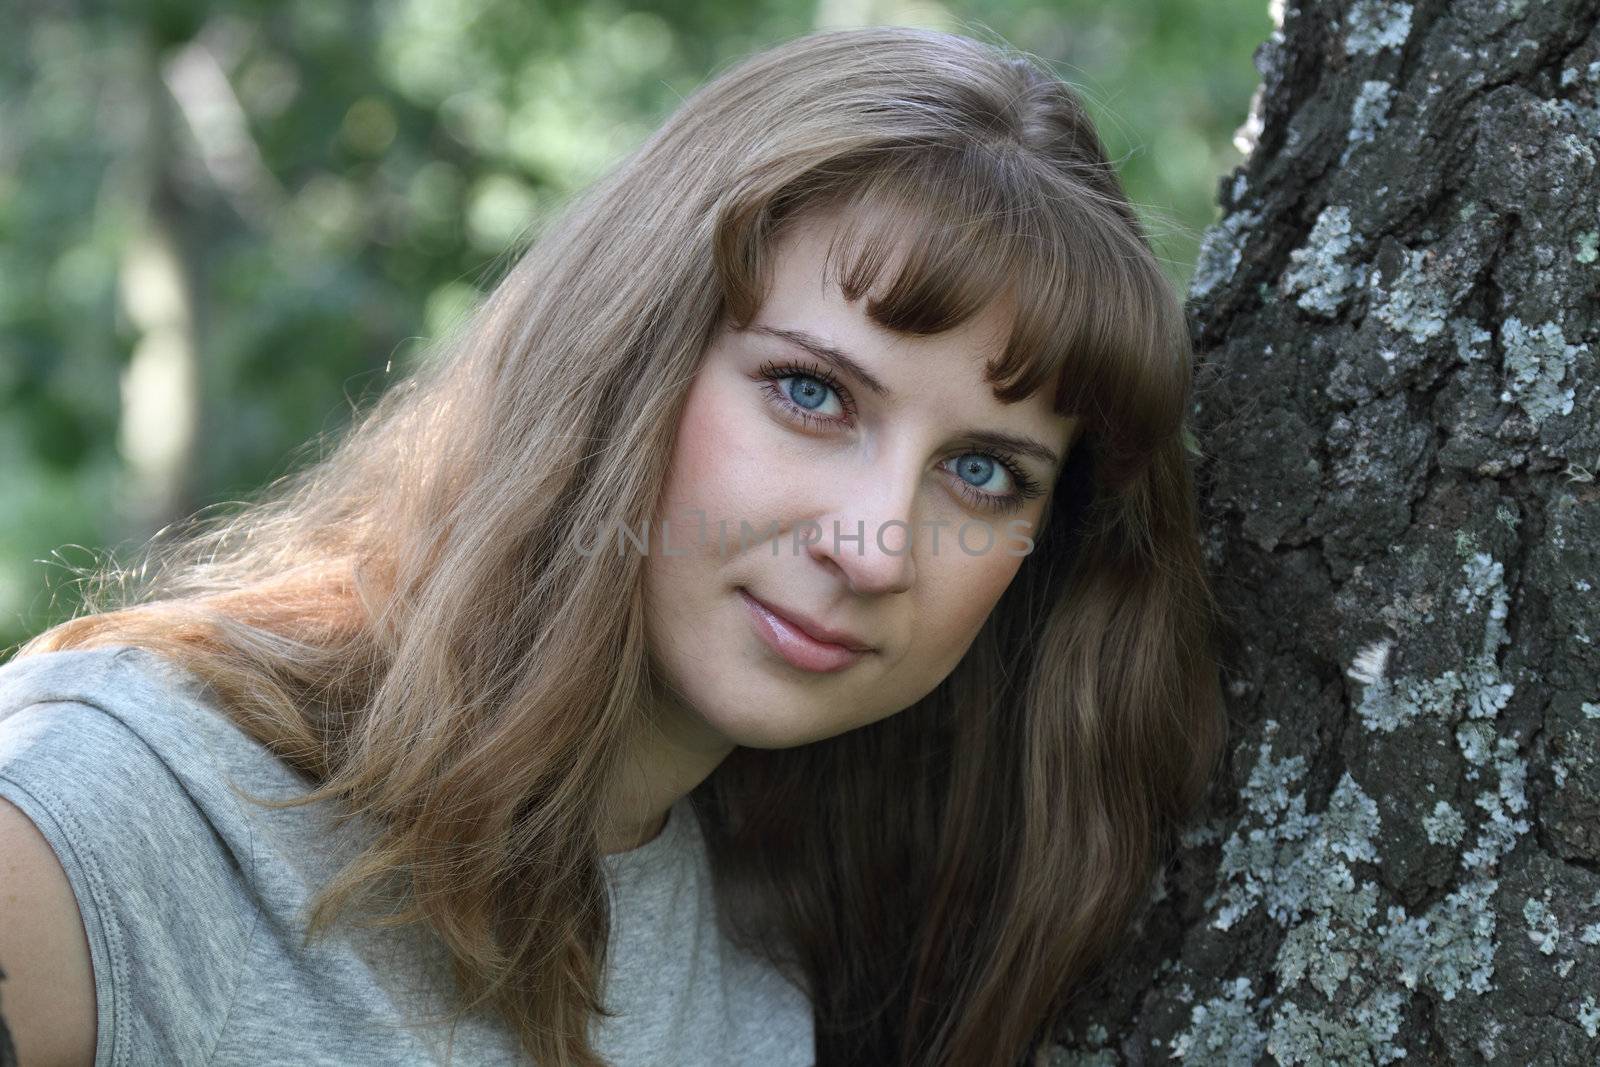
column 998, row 439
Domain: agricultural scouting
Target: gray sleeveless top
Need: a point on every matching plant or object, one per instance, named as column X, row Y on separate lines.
column 191, row 898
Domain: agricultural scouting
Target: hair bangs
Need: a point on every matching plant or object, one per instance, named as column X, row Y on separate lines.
column 1096, row 317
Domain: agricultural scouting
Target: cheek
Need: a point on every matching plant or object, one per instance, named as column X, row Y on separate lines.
column 679, row 583
column 955, row 594
column 961, row 591
column 711, row 468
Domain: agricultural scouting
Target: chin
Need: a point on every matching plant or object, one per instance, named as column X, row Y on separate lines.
column 765, row 724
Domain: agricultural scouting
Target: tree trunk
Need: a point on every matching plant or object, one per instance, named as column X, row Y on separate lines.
column 1398, row 323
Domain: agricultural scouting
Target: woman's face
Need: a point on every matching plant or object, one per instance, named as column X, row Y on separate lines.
column 864, row 501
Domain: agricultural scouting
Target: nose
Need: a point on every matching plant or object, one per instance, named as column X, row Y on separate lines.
column 870, row 537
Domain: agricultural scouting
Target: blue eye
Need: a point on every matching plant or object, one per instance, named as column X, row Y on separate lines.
column 807, row 391
column 800, row 392
column 976, row 469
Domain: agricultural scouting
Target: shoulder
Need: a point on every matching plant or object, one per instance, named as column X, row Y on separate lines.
column 47, row 997
column 120, row 769
column 127, row 683
column 102, row 730
column 95, row 695
column 68, row 713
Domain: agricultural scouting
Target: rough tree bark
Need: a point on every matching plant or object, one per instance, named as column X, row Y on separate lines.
column 1398, row 320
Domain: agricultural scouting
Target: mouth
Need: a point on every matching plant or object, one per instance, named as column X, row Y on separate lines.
column 801, row 643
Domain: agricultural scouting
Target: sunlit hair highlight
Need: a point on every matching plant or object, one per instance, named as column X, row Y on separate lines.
column 406, row 623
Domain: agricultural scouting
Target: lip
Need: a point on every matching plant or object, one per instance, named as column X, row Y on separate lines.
column 802, row 642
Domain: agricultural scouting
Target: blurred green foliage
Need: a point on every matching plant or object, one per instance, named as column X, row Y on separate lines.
column 224, row 223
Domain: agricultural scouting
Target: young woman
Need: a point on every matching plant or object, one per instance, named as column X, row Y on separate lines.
column 774, row 631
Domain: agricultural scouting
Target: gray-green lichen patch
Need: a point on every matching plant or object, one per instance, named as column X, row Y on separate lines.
column 1321, row 273
column 1368, row 115
column 1570, row 76
column 1312, row 1038
column 1589, row 1016
column 1472, row 340
column 1476, row 741
column 1588, row 246
column 1296, row 863
column 1486, row 588
column 1449, row 947
column 1223, row 1030
column 1543, row 930
column 1444, row 825
column 1414, row 305
column 1588, row 120
column 1375, row 25
column 1476, row 691
column 1536, row 362
column 1205, row 833
column 1221, row 248
column 1344, row 974
column 1325, row 950
column 1499, row 830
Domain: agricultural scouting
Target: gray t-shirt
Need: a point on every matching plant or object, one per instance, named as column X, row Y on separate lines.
column 192, row 900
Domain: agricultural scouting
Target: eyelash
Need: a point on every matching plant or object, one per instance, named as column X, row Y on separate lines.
column 771, row 373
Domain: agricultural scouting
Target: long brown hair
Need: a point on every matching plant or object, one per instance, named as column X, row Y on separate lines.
column 406, row 623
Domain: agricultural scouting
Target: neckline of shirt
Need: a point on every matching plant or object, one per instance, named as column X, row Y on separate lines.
column 665, row 842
